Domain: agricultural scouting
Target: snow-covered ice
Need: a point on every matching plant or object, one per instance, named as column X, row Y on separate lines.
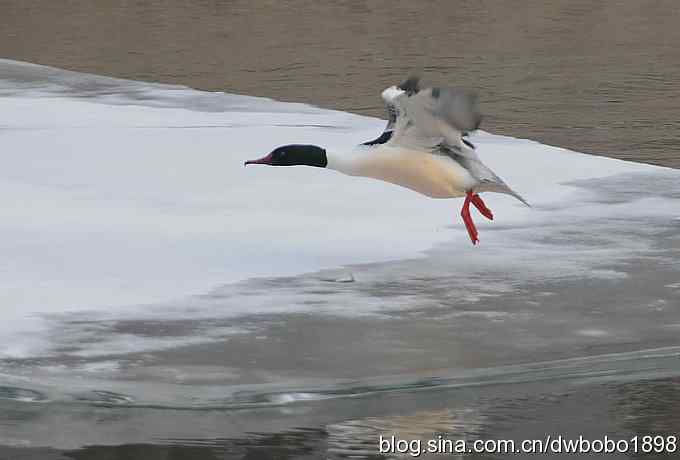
column 119, row 195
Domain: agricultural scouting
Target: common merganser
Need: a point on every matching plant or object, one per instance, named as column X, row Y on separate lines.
column 423, row 148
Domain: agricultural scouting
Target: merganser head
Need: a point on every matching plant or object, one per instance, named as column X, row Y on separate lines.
column 293, row 155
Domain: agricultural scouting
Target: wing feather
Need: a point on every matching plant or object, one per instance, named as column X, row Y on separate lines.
column 436, row 116
column 436, row 120
column 409, row 87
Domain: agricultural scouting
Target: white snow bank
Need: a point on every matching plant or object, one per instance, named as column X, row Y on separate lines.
column 117, row 200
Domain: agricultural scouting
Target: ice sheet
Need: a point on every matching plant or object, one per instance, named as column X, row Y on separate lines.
column 118, row 195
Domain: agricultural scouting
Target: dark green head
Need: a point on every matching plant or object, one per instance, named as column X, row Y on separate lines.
column 294, row 155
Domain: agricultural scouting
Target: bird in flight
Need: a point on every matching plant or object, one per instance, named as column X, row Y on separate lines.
column 424, row 147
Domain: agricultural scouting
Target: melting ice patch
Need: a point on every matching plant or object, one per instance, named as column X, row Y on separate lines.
column 128, row 200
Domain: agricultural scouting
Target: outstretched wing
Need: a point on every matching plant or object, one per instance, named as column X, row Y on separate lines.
column 432, row 117
column 408, row 87
column 437, row 120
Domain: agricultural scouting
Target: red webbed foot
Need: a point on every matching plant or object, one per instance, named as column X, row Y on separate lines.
column 465, row 214
column 479, row 204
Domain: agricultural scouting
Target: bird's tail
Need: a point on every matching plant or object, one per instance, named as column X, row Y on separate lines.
column 511, row 192
column 502, row 187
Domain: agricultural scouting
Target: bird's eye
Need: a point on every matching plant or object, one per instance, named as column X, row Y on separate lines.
column 282, row 153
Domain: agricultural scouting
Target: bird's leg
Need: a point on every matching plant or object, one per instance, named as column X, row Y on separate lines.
column 465, row 214
column 479, row 204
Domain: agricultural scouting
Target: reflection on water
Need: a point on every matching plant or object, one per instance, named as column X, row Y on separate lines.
column 596, row 77
column 359, row 437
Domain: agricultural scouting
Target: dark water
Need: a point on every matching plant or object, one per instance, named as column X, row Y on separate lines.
column 343, row 430
column 580, row 355
column 598, row 77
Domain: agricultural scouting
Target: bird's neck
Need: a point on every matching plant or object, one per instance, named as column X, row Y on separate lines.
column 345, row 161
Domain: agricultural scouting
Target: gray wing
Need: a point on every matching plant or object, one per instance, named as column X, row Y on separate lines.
column 437, row 120
column 409, row 87
column 433, row 116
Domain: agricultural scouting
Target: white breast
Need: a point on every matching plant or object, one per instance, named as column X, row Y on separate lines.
column 436, row 176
